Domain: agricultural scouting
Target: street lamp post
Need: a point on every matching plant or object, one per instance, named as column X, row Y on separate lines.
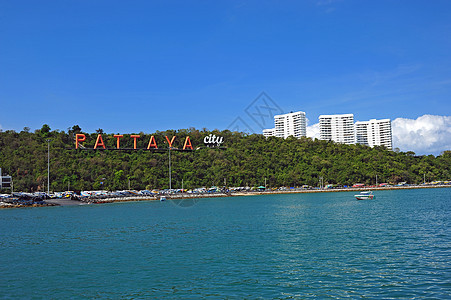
column 48, row 166
column 170, row 179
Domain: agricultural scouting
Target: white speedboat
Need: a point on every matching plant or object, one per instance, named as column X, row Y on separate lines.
column 162, row 198
column 367, row 195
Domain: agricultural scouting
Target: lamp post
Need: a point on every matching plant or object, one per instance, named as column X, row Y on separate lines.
column 48, row 166
column 170, row 179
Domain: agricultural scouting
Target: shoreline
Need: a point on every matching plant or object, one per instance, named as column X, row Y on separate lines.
column 346, row 189
column 184, row 196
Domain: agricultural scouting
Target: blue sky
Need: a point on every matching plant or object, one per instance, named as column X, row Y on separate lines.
column 131, row 66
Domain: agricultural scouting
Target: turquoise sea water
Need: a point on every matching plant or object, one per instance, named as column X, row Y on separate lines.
column 325, row 245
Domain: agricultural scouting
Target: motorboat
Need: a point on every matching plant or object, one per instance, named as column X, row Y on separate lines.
column 366, row 195
column 162, row 198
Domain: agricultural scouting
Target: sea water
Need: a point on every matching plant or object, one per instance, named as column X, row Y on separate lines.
column 319, row 245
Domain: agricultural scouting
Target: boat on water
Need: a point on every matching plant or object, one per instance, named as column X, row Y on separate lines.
column 367, row 195
column 162, row 198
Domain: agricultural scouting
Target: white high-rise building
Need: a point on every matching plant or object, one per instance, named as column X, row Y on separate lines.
column 361, row 133
column 269, row 132
column 337, row 128
column 374, row 133
column 291, row 124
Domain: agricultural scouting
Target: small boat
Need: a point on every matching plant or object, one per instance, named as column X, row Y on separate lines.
column 367, row 195
column 162, row 198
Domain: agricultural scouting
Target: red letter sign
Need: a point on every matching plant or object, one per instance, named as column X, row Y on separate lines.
column 79, row 137
column 118, row 136
column 152, row 143
column 170, row 142
column 187, row 144
column 135, row 136
column 99, row 142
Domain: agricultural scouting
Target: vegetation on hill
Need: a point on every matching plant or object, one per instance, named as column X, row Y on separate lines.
column 246, row 161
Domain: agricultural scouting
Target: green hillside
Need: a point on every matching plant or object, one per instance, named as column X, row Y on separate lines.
column 246, row 161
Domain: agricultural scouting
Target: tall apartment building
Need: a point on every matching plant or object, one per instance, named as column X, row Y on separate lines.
column 291, row 124
column 361, row 133
column 374, row 133
column 337, row 128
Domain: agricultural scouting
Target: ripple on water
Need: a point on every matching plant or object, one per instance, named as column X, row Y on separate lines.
column 282, row 247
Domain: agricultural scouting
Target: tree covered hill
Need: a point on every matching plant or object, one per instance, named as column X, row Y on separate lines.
column 246, row 160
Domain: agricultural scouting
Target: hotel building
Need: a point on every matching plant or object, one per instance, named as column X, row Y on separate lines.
column 337, row 128
column 291, row 124
column 269, row 132
column 374, row 133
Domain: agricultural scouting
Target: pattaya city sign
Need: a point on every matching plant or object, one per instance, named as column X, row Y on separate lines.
column 210, row 141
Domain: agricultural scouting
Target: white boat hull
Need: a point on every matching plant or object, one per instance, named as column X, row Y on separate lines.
column 364, row 197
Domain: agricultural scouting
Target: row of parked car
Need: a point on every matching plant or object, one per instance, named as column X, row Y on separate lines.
column 20, row 198
column 102, row 194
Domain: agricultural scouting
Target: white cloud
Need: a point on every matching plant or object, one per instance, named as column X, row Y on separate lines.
column 313, row 131
column 427, row 134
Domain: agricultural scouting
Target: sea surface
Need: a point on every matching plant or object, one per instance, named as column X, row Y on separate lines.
column 293, row 246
